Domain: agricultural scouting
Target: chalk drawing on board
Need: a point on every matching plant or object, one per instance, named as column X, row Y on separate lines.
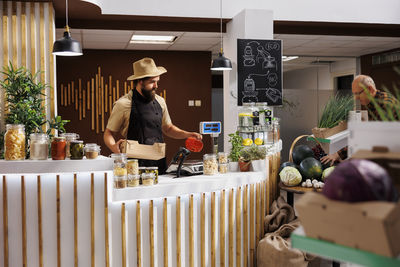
column 272, row 46
column 249, row 92
column 272, row 79
column 248, row 57
column 273, row 94
column 268, row 61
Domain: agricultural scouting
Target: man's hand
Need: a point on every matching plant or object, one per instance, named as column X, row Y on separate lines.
column 331, row 158
column 195, row 135
column 115, row 148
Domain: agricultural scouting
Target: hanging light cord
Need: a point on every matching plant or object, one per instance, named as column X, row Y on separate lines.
column 66, row 16
column 220, row 10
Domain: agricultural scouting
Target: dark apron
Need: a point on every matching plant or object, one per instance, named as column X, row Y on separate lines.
column 145, row 124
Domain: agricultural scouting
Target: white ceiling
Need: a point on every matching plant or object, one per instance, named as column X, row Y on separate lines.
column 306, row 46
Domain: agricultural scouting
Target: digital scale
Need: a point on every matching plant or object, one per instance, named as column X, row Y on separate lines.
column 194, row 167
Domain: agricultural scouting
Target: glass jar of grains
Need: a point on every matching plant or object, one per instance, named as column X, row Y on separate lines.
column 155, row 171
column 210, row 164
column 148, row 178
column 133, row 166
column 141, row 171
column 76, row 149
column 39, row 146
column 223, row 167
column 68, row 138
column 222, row 157
column 133, row 180
column 58, row 148
column 92, row 150
column 14, row 142
column 120, row 170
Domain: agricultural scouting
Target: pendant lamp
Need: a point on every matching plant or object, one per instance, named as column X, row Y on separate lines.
column 66, row 46
column 221, row 62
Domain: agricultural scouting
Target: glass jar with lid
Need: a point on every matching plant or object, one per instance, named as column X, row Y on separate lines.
column 223, row 167
column 247, row 113
column 141, row 171
column 265, row 113
column 277, row 129
column 39, row 146
column 148, row 178
column 119, row 169
column 76, row 149
column 92, row 150
column 58, row 148
column 133, row 180
column 222, row 157
column 68, row 138
column 155, row 171
column 133, row 166
column 210, row 164
column 14, row 142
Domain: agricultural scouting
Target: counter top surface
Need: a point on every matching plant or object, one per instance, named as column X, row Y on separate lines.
column 101, row 163
column 169, row 186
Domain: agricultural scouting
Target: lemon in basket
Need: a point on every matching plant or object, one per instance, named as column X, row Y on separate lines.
column 247, row 142
column 258, row 141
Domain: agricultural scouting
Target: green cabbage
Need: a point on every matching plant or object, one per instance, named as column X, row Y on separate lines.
column 290, row 176
column 326, row 172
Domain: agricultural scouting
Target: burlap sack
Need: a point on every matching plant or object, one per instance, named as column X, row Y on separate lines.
column 274, row 249
column 281, row 213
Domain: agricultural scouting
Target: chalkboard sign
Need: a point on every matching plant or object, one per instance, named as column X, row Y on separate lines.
column 259, row 71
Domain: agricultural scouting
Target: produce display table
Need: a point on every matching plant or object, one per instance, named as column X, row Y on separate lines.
column 290, row 190
column 338, row 252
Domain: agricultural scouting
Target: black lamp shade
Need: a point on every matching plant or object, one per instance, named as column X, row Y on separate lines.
column 221, row 63
column 67, row 46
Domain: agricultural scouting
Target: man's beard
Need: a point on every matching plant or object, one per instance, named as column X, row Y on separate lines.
column 149, row 95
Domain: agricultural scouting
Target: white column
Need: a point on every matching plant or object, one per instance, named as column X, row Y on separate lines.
column 248, row 24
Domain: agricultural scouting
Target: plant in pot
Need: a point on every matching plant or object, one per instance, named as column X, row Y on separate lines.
column 245, row 157
column 24, row 97
column 236, row 146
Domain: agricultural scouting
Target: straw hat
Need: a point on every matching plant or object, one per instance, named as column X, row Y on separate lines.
column 146, row 68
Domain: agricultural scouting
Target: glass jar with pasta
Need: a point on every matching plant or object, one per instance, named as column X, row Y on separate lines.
column 210, row 164
column 39, row 146
column 14, row 142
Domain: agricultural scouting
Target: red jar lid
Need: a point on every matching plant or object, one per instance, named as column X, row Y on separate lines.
column 194, row 144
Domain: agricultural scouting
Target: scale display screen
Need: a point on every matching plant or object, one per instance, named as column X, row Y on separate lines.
column 210, row 127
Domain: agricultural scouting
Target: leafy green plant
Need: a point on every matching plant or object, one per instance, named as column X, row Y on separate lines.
column 237, row 144
column 24, row 100
column 336, row 110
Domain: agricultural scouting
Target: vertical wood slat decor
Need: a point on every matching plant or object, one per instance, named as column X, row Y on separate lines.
column 213, row 230
column 23, row 216
column 123, row 235
column 138, row 235
column 151, row 235
column 39, row 203
column 222, row 229
column 178, row 232
column 25, row 28
column 231, row 222
column 58, row 200
column 5, row 222
column 165, row 231
column 191, row 233
column 106, row 237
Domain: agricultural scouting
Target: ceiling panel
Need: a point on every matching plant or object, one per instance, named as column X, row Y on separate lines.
column 99, row 45
column 148, row 46
column 195, row 40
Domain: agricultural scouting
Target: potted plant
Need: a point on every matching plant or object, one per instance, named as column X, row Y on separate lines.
column 245, row 157
column 236, row 146
column 25, row 103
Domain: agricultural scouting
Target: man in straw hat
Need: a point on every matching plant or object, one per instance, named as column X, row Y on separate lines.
column 142, row 115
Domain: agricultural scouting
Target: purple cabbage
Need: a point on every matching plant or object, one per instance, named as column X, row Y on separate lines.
column 359, row 180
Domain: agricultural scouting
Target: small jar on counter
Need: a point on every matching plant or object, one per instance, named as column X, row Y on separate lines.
column 133, row 166
column 155, row 171
column 119, row 168
column 68, row 138
column 133, row 180
column 92, row 150
column 58, row 148
column 39, row 146
column 76, row 149
column 222, row 157
column 14, row 142
column 210, row 164
column 223, row 167
column 141, row 171
column 148, row 178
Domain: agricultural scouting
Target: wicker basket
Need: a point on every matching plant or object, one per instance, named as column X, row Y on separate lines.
column 296, row 140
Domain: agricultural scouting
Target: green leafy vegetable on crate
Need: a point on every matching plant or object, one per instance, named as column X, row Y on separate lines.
column 336, row 110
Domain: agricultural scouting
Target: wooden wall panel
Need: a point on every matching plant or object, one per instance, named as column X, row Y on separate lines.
column 181, row 83
column 27, row 34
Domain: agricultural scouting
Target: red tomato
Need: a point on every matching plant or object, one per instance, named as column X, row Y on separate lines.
column 194, row 144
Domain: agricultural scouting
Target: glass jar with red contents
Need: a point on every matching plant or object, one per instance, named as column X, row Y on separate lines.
column 58, row 148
